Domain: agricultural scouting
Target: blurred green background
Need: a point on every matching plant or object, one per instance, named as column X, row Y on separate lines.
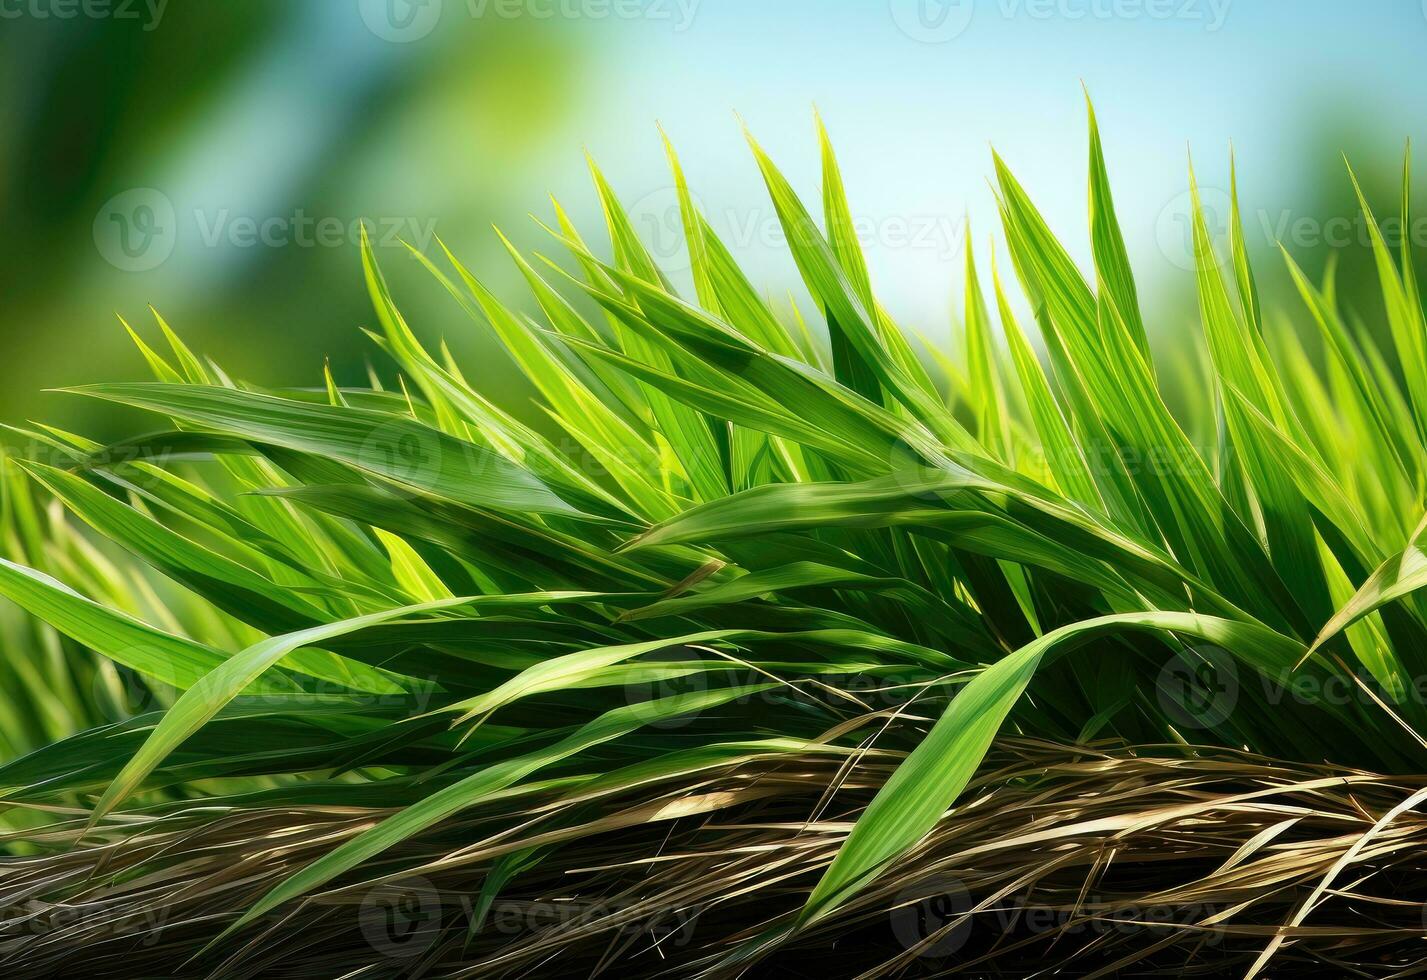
column 212, row 158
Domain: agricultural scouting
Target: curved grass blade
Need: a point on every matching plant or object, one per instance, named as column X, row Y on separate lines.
column 204, row 699
column 933, row 776
column 472, row 789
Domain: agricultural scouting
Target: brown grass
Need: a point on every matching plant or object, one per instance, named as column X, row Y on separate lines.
column 1103, row 860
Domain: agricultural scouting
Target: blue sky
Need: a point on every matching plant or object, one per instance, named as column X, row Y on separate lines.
column 914, row 92
column 493, row 101
column 913, row 121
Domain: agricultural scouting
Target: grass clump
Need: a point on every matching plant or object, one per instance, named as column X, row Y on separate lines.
column 705, row 669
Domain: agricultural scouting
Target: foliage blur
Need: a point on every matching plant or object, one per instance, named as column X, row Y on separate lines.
column 270, row 128
column 291, row 114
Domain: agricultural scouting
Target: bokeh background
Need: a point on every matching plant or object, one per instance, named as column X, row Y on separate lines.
column 213, row 158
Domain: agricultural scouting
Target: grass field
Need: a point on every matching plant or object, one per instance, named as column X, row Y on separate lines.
column 768, row 640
